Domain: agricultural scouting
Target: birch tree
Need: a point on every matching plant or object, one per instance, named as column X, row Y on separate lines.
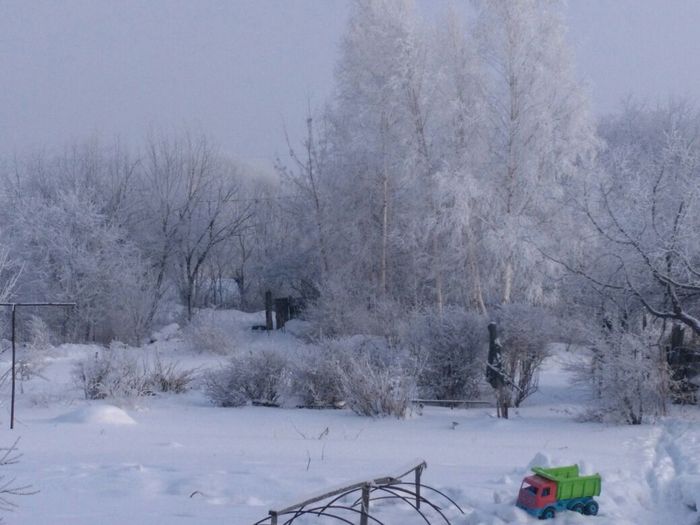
column 540, row 136
column 460, row 143
column 369, row 130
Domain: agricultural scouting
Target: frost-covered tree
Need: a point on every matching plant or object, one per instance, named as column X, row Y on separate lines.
column 638, row 277
column 628, row 373
column 450, row 150
column 371, row 127
column 190, row 205
column 65, row 222
column 73, row 253
column 458, row 120
column 647, row 213
column 306, row 177
column 540, row 139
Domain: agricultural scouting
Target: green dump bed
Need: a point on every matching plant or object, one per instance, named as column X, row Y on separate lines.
column 569, row 483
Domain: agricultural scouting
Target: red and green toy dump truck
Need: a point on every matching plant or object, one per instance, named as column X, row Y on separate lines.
column 551, row 490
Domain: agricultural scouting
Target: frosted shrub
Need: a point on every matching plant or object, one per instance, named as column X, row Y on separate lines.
column 39, row 333
column 450, row 350
column 222, row 388
column 111, row 373
column 316, row 376
column 115, row 372
column 376, row 380
column 169, row 377
column 377, row 391
column 32, row 356
column 261, row 377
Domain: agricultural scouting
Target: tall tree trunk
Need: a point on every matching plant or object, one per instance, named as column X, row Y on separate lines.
column 311, row 161
column 477, row 292
column 384, row 213
column 438, row 275
column 508, row 281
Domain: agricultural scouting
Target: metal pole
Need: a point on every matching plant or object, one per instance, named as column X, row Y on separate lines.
column 14, row 358
column 419, row 470
column 14, row 353
column 364, row 516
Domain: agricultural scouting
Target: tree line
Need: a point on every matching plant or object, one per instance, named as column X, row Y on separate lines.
column 457, row 165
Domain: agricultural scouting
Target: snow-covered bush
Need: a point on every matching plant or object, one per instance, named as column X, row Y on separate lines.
column 261, row 376
column 316, row 376
column 169, row 377
column 205, row 334
column 30, row 363
column 32, row 356
column 222, row 388
column 39, row 334
column 111, row 373
column 115, row 372
column 376, row 379
column 374, row 391
column 450, row 349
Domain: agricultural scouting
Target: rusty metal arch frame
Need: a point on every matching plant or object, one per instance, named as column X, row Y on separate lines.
column 395, row 490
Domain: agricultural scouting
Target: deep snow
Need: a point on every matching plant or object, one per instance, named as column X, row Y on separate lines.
column 177, row 459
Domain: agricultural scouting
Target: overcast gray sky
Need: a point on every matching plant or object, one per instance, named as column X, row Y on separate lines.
column 239, row 69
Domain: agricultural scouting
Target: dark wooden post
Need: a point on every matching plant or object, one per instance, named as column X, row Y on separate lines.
column 268, row 310
column 273, row 517
column 364, row 516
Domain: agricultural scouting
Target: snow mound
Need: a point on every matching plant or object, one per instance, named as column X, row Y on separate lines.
column 540, row 460
column 102, row 414
column 166, row 333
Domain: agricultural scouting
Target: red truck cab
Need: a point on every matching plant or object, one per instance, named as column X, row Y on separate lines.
column 537, row 492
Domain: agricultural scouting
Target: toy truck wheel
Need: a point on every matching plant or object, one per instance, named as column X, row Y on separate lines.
column 578, row 508
column 591, row 508
column 548, row 513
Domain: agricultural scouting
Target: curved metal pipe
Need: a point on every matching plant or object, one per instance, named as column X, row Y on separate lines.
column 437, row 492
column 415, row 507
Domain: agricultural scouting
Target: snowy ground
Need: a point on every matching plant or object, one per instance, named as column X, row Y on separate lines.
column 176, row 459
